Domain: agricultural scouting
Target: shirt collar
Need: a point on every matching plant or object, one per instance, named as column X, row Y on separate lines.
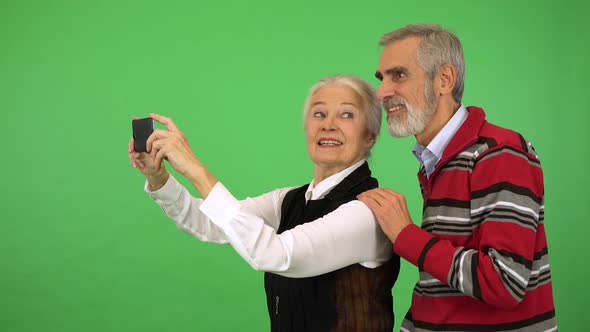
column 323, row 188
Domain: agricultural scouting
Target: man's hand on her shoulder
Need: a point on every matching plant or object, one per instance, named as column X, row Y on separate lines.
column 390, row 209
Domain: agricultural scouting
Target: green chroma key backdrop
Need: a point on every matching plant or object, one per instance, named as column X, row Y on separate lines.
column 83, row 248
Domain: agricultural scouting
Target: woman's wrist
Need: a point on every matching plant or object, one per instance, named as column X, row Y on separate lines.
column 158, row 180
column 202, row 179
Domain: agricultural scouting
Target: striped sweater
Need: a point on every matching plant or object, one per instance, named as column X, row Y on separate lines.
column 481, row 250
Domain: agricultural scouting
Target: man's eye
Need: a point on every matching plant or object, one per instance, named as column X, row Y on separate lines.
column 400, row 74
column 319, row 114
column 347, row 115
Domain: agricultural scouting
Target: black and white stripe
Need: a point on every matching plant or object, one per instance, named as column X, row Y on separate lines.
column 544, row 322
column 506, row 202
column 502, row 202
column 459, row 163
column 465, row 161
column 513, row 151
column 540, row 271
column 514, row 271
column 527, row 146
column 439, row 219
column 463, row 272
column 432, row 287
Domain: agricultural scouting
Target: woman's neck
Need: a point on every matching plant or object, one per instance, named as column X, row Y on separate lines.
column 322, row 172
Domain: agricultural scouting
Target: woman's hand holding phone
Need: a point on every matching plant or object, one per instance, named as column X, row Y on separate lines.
column 156, row 174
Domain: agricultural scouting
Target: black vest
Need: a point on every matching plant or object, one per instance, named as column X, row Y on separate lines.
column 353, row 298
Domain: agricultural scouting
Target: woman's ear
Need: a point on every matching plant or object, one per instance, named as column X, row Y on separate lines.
column 371, row 139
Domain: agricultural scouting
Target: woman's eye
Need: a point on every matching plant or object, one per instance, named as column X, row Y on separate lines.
column 319, row 114
column 347, row 115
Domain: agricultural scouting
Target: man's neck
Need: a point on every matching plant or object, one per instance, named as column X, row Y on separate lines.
column 440, row 118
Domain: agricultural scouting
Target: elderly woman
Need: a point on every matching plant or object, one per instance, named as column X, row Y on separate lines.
column 328, row 265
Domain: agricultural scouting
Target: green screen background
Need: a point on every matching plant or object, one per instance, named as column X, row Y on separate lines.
column 82, row 248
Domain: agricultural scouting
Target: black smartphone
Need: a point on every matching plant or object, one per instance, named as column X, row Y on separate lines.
column 142, row 129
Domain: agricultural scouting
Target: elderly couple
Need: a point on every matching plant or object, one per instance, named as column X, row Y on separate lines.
column 330, row 249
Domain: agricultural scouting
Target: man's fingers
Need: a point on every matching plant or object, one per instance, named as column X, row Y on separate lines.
column 388, row 190
column 393, row 194
column 378, row 197
column 369, row 200
column 382, row 195
column 377, row 192
column 165, row 121
column 386, row 196
column 372, row 203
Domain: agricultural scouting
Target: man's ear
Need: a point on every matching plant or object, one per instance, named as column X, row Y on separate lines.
column 446, row 79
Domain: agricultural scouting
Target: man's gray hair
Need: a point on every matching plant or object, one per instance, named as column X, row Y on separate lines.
column 370, row 107
column 438, row 47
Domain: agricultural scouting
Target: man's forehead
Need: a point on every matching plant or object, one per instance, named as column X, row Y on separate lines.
column 399, row 53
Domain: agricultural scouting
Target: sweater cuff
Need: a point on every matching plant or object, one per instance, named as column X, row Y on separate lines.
column 411, row 242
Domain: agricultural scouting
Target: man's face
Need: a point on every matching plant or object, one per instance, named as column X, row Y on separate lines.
column 405, row 91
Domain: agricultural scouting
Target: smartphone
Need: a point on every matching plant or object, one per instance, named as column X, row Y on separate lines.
column 142, row 129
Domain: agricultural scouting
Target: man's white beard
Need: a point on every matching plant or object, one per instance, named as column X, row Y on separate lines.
column 414, row 120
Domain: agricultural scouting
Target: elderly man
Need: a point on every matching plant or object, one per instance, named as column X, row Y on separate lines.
column 481, row 250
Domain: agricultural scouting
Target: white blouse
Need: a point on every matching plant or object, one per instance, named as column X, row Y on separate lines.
column 348, row 235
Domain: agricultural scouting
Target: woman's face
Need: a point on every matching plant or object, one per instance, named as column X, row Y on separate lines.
column 335, row 128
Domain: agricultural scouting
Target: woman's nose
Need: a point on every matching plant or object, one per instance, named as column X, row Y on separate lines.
column 329, row 123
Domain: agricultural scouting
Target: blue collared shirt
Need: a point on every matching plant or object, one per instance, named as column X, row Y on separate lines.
column 430, row 155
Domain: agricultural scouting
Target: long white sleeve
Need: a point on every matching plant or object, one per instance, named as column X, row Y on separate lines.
column 348, row 235
column 178, row 204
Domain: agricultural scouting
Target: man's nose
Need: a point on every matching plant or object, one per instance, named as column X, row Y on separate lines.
column 386, row 89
